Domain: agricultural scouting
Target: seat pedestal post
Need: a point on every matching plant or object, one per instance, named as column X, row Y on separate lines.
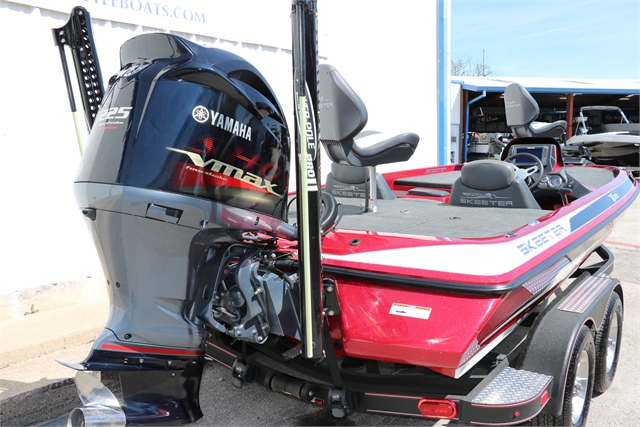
column 371, row 196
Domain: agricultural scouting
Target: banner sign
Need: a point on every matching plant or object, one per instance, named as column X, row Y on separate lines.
column 153, row 9
column 243, row 21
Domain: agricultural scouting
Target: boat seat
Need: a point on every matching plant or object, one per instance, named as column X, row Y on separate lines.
column 521, row 111
column 343, row 115
column 491, row 183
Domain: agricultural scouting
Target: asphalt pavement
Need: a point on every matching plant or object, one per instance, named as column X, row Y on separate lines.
column 60, row 321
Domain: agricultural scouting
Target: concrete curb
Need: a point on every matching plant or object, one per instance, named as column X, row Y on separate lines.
column 40, row 325
column 43, row 333
column 47, row 347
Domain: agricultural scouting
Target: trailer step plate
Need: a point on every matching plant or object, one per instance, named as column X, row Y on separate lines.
column 511, row 396
column 512, row 386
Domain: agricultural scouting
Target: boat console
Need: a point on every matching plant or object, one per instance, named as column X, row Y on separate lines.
column 544, row 152
column 553, row 174
column 555, row 180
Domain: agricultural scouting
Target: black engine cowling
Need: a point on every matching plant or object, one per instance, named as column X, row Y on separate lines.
column 186, row 119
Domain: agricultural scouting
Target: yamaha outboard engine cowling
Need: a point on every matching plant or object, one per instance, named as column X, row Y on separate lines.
column 189, row 150
column 176, row 108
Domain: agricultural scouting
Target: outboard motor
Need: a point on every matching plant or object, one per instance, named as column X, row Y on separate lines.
column 183, row 185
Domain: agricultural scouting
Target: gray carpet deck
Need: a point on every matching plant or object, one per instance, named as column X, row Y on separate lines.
column 430, row 218
column 592, row 177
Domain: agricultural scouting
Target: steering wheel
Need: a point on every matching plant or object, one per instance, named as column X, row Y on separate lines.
column 531, row 181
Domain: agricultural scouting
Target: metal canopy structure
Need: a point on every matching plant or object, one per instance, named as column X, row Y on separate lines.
column 552, row 93
column 482, row 105
column 550, row 85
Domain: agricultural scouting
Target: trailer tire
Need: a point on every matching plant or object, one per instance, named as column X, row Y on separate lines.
column 608, row 341
column 578, row 387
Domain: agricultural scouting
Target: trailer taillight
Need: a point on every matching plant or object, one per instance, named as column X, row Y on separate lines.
column 545, row 398
column 437, row 408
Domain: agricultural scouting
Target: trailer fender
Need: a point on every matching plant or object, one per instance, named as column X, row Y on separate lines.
column 555, row 331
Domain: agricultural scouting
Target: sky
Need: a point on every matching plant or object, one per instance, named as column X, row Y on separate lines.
column 597, row 39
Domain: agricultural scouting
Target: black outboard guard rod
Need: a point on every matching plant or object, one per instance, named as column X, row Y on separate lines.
column 305, row 81
column 77, row 34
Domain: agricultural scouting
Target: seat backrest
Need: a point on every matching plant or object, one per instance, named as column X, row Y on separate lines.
column 520, row 108
column 521, row 111
column 491, row 183
column 342, row 113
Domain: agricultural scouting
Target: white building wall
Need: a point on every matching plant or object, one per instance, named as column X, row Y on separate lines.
column 385, row 49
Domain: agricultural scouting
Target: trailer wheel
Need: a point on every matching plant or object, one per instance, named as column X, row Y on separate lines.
column 579, row 386
column 608, row 341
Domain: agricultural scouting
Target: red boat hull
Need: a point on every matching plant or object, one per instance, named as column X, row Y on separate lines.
column 445, row 302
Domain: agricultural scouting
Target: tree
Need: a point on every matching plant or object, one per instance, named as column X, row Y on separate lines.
column 464, row 67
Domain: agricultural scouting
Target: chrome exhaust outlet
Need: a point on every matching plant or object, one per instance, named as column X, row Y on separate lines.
column 96, row 416
column 100, row 407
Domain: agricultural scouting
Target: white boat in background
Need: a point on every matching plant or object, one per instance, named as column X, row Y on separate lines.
column 612, row 143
